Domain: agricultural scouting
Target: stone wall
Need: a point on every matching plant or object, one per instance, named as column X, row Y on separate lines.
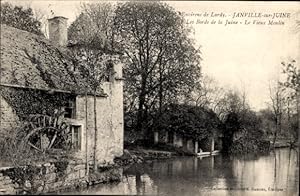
column 51, row 177
column 110, row 124
column 109, row 120
column 42, row 178
column 110, row 137
column 8, row 118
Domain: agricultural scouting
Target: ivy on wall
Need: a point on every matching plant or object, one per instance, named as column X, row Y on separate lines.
column 42, row 125
column 29, row 101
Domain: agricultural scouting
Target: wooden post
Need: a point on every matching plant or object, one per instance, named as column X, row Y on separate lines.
column 96, row 133
column 86, row 136
column 167, row 137
column 195, row 164
column 196, row 146
column 155, row 137
column 212, row 163
column 174, row 139
column 212, row 144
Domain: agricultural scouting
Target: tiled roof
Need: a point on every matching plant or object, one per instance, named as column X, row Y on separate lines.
column 31, row 61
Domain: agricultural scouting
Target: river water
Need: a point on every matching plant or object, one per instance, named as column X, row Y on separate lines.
column 276, row 173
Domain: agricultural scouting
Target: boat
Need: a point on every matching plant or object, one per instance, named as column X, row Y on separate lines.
column 202, row 154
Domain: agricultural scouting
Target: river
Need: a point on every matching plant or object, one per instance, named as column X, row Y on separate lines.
column 276, row 173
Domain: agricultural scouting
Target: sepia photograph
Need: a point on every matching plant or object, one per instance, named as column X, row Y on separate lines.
column 165, row 98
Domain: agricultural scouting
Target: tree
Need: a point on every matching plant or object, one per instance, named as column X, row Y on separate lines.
column 276, row 96
column 162, row 62
column 267, row 118
column 292, row 84
column 244, row 135
column 20, row 18
column 292, row 76
column 232, row 125
column 233, row 101
column 207, row 94
column 191, row 121
column 90, row 34
column 242, row 126
column 93, row 28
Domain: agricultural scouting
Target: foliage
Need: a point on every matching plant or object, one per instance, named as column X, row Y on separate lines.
column 293, row 75
column 94, row 66
column 14, row 153
column 24, row 144
column 19, row 17
column 90, row 46
column 280, row 119
column 10, row 150
column 90, row 34
column 29, row 101
column 243, row 132
column 208, row 94
column 93, row 27
column 295, row 127
column 292, row 86
column 162, row 63
column 191, row 121
column 231, row 126
column 31, row 178
column 251, row 138
column 60, row 168
column 21, row 175
column 39, row 114
column 245, row 145
column 267, row 118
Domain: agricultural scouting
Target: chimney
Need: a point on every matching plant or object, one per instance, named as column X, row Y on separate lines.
column 58, row 33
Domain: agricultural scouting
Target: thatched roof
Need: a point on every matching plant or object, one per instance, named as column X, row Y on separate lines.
column 31, row 61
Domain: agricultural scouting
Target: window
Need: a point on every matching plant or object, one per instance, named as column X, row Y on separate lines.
column 70, row 109
column 76, row 137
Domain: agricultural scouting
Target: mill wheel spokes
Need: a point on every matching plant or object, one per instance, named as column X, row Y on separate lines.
column 42, row 131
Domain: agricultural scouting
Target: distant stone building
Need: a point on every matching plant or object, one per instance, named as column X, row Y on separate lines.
column 38, row 75
column 189, row 144
column 197, row 130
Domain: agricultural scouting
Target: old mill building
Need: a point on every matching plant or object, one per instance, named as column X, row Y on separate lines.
column 38, row 75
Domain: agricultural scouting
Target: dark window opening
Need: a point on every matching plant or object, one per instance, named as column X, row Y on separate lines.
column 170, row 137
column 70, row 109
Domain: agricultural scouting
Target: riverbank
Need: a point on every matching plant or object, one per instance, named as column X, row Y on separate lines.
column 284, row 143
column 60, row 175
column 53, row 176
column 216, row 175
column 69, row 174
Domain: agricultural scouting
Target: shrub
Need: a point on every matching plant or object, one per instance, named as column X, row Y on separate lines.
column 16, row 154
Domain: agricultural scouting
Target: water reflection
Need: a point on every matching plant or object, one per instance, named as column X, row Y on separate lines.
column 272, row 174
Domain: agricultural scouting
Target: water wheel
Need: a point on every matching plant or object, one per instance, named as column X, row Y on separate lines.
column 42, row 131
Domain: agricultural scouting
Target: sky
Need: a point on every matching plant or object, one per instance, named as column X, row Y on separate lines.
column 245, row 57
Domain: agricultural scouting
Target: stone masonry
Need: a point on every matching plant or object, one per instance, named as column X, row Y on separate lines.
column 51, row 177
